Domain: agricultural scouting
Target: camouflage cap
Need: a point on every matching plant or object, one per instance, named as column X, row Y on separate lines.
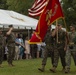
column 73, row 25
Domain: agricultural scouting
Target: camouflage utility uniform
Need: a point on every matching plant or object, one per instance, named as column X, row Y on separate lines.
column 11, row 47
column 59, row 49
column 48, row 49
column 71, row 50
column 2, row 44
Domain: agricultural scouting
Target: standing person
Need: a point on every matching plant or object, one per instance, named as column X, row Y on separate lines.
column 17, row 50
column 21, row 46
column 38, row 49
column 48, row 48
column 2, row 44
column 33, row 48
column 27, row 48
column 60, row 47
column 10, row 45
column 71, row 48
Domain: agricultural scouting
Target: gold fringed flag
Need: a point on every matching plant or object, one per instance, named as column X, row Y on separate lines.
column 51, row 13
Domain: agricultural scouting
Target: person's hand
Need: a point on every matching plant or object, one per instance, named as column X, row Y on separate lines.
column 11, row 28
column 56, row 29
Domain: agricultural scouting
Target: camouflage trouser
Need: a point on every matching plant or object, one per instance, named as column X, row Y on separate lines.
column 1, row 54
column 59, row 51
column 69, row 53
column 46, row 52
column 11, row 54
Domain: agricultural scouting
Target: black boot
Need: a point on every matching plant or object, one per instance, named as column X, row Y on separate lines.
column 53, row 70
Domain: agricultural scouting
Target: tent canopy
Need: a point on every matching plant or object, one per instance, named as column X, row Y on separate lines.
column 18, row 20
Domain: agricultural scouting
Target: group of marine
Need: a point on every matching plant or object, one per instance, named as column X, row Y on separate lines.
column 60, row 44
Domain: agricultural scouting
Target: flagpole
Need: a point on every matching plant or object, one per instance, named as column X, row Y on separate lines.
column 57, row 31
column 65, row 25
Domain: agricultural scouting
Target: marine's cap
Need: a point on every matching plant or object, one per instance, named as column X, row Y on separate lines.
column 11, row 25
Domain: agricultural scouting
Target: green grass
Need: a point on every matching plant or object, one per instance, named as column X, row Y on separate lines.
column 30, row 67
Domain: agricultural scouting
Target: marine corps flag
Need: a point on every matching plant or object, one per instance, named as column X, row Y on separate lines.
column 51, row 13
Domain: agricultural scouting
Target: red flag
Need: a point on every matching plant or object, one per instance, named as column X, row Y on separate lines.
column 51, row 13
column 37, row 8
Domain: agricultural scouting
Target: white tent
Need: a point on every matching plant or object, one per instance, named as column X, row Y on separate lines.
column 17, row 20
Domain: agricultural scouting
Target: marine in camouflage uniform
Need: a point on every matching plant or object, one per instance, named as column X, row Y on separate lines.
column 2, row 44
column 59, row 47
column 10, row 45
column 48, row 49
column 71, row 48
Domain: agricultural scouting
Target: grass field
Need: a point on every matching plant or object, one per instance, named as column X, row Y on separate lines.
column 30, row 67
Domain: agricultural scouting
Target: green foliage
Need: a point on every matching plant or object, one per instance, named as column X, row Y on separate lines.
column 69, row 8
column 20, row 6
column 3, row 4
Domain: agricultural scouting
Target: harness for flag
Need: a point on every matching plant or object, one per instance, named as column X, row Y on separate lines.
column 51, row 13
column 37, row 8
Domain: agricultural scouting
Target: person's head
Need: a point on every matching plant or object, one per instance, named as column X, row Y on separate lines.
column 53, row 30
column 33, row 31
column 11, row 26
column 59, row 26
column 27, row 38
column 20, row 35
column 16, row 35
column 72, row 27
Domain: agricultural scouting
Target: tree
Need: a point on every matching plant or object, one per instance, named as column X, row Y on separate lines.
column 3, row 4
column 20, row 6
column 69, row 8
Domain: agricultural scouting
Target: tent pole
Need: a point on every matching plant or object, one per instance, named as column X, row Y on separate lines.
column 18, row 27
column 3, row 27
column 28, row 34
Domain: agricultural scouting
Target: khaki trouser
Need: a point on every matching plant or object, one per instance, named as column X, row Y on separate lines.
column 17, row 51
